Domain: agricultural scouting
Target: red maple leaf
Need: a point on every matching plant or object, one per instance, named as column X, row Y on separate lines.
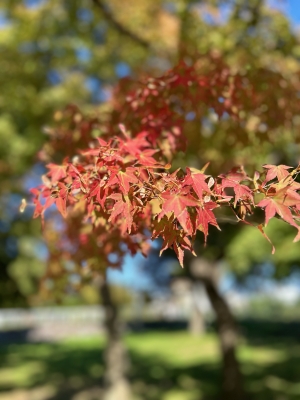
column 145, row 158
column 57, row 172
column 205, row 216
column 176, row 203
column 182, row 243
column 196, row 179
column 39, row 209
column 122, row 209
column 61, row 204
column 279, row 204
column 99, row 192
column 242, row 192
column 124, row 178
column 134, row 145
column 173, row 237
column 276, row 171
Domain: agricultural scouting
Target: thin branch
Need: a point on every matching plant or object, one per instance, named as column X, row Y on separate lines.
column 117, row 25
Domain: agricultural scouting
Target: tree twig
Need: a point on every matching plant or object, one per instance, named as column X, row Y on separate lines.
column 117, row 25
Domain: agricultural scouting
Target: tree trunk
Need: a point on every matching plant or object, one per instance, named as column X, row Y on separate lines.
column 196, row 321
column 116, row 384
column 232, row 386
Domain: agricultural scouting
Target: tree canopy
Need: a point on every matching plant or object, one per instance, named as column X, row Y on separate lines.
column 121, row 188
column 52, row 61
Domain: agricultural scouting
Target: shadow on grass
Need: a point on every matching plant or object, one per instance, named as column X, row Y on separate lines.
column 73, row 369
column 65, row 366
column 153, row 379
column 272, row 373
column 262, row 331
column 75, row 366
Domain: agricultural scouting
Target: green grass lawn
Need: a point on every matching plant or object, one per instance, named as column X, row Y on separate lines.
column 164, row 366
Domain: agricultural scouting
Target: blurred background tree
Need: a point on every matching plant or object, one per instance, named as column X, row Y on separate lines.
column 57, row 52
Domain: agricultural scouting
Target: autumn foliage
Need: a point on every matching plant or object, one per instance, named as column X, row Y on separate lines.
column 116, row 188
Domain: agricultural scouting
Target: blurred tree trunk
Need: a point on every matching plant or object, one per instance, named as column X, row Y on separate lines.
column 196, row 321
column 232, row 385
column 116, row 384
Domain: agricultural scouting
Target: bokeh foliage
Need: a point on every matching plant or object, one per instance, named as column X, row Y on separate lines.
column 57, row 52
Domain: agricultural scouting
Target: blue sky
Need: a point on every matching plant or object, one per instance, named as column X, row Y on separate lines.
column 290, row 7
column 293, row 11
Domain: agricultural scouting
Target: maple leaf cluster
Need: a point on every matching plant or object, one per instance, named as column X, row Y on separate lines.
column 160, row 105
column 118, row 190
column 119, row 185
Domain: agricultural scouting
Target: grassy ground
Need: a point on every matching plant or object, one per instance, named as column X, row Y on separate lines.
column 164, row 366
